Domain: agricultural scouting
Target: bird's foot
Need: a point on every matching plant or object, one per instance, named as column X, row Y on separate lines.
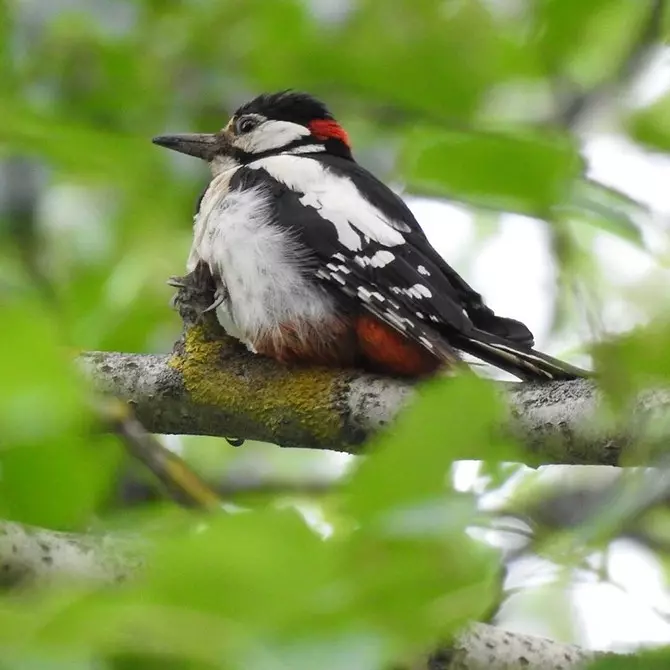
column 219, row 297
column 196, row 294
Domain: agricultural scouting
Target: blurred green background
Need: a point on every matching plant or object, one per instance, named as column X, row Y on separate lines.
column 483, row 103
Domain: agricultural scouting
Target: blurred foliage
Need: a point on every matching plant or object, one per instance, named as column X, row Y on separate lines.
column 648, row 660
column 476, row 101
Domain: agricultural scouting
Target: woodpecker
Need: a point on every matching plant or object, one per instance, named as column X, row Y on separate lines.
column 316, row 261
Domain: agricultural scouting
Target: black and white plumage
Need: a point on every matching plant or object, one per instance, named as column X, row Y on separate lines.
column 318, row 261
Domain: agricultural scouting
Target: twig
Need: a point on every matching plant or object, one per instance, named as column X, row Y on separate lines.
column 181, row 483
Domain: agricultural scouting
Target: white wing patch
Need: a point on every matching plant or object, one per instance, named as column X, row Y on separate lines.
column 417, row 291
column 379, row 259
column 388, row 310
column 336, row 199
column 420, row 291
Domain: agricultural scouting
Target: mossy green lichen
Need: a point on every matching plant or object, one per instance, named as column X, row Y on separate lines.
column 285, row 402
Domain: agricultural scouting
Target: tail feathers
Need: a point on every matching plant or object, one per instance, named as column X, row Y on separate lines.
column 525, row 363
column 507, row 329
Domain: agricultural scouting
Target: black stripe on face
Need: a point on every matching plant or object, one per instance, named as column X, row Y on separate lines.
column 246, row 157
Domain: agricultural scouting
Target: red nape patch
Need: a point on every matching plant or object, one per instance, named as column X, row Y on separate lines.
column 325, row 129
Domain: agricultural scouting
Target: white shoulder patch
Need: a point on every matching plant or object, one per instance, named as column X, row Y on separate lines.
column 335, row 198
column 307, row 149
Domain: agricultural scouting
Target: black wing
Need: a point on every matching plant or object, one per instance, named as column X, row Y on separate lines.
column 382, row 197
column 407, row 286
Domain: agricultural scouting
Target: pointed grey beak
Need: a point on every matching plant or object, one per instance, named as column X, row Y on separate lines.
column 200, row 145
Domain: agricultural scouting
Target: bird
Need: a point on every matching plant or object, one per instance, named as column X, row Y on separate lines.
column 317, row 262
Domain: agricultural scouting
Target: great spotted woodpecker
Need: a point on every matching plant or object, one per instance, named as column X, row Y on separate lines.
column 317, row 261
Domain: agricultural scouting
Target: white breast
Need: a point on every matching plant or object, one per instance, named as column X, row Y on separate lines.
column 259, row 264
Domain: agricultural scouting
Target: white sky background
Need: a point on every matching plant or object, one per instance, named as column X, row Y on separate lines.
column 513, row 270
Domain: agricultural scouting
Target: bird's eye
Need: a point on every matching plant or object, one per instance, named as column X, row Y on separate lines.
column 245, row 124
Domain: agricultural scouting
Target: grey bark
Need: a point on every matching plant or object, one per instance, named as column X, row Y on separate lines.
column 485, row 647
column 36, row 555
column 558, row 422
column 29, row 555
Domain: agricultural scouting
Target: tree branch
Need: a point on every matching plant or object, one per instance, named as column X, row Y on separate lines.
column 183, row 485
column 33, row 554
column 211, row 385
column 484, row 647
column 214, row 387
column 29, row 555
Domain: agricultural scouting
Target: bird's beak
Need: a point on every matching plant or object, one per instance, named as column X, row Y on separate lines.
column 200, row 145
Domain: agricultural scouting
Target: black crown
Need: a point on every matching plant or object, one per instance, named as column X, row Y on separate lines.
column 287, row 106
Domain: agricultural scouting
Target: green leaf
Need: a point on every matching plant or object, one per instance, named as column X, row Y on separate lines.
column 651, row 126
column 452, row 419
column 587, row 42
column 411, row 520
column 634, row 360
column 607, row 209
column 266, row 570
column 76, row 147
column 54, row 468
column 644, row 660
column 529, row 173
column 446, row 57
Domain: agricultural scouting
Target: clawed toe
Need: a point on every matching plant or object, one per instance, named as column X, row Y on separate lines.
column 217, row 303
column 177, row 282
column 219, row 296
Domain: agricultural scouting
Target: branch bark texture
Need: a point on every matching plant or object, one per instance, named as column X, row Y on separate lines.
column 214, row 387
column 36, row 555
column 29, row 555
column 484, row 647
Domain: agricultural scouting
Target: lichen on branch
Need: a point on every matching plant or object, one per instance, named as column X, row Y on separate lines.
column 304, row 402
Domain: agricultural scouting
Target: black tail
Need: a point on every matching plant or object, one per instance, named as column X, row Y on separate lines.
column 521, row 361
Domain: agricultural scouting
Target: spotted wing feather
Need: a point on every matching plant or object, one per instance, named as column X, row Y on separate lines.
column 405, row 285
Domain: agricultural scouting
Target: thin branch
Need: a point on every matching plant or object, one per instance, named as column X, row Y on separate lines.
column 134, row 490
column 180, row 482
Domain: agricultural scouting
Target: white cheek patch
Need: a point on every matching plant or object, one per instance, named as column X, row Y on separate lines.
column 336, row 199
column 271, row 135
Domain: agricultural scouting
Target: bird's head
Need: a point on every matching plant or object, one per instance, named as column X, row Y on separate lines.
column 275, row 123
